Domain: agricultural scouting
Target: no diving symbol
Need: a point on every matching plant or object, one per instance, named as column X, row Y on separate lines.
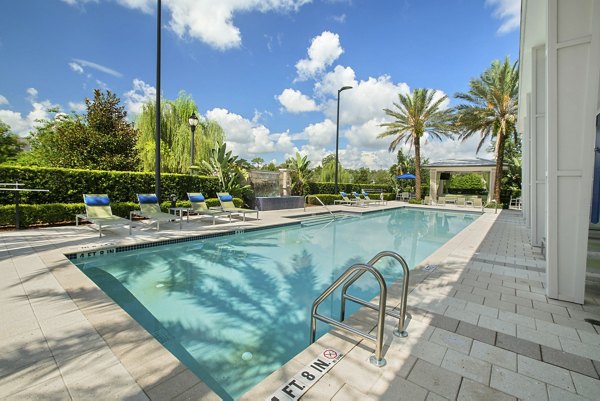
column 330, row 354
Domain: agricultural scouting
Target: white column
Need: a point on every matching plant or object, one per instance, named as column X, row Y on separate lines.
column 573, row 69
column 537, row 129
column 525, row 165
column 433, row 184
column 492, row 181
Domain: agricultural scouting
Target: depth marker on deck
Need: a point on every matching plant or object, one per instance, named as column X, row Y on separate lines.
column 300, row 383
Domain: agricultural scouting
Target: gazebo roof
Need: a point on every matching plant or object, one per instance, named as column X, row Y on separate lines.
column 473, row 162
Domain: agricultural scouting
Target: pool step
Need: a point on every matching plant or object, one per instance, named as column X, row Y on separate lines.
column 324, row 218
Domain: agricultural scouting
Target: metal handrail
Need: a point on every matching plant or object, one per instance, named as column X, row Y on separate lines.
column 320, row 201
column 401, row 330
column 376, row 359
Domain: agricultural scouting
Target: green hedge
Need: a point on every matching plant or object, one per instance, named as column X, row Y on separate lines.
column 55, row 213
column 68, row 185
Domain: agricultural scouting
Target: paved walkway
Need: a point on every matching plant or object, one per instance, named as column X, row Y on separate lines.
column 480, row 328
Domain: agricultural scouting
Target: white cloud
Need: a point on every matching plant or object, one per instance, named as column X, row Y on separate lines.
column 323, row 51
column 137, row 97
column 334, row 80
column 365, row 101
column 3, row 100
column 453, row 149
column 209, row 21
column 509, row 12
column 212, row 21
column 248, row 138
column 295, row 101
column 84, row 63
column 320, row 134
column 339, row 18
column 77, row 107
column 22, row 125
column 76, row 67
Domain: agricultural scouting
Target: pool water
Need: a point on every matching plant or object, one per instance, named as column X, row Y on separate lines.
column 235, row 308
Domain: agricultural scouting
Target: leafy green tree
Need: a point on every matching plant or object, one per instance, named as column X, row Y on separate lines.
column 512, row 178
column 102, row 139
column 258, row 162
column 328, row 170
column 300, row 172
column 10, row 145
column 491, row 110
column 175, row 136
column 415, row 115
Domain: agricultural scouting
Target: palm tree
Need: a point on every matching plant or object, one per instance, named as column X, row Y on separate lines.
column 416, row 114
column 491, row 110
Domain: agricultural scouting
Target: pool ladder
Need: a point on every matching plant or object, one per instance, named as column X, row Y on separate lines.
column 348, row 278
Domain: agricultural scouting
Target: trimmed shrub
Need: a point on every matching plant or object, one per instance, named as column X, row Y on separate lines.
column 68, row 185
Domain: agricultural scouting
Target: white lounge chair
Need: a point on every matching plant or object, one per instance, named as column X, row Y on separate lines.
column 99, row 212
column 150, row 209
column 227, row 205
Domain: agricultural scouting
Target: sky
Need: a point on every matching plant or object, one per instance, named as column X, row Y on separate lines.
column 267, row 71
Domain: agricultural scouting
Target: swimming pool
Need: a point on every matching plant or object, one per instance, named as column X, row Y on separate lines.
column 235, row 308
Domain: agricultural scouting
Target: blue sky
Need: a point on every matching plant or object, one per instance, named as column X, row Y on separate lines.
column 267, row 71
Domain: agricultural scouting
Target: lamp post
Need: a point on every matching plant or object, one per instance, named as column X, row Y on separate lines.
column 337, row 136
column 193, row 121
column 157, row 109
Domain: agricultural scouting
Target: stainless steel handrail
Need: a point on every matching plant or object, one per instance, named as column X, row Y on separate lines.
column 401, row 330
column 320, row 201
column 376, row 359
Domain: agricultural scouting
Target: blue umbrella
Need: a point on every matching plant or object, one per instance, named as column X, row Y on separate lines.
column 406, row 177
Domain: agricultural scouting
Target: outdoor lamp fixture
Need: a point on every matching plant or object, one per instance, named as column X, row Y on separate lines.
column 193, row 121
column 337, row 136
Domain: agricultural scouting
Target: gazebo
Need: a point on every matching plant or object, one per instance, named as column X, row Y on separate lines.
column 439, row 169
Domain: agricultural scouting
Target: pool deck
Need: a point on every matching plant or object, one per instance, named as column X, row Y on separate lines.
column 480, row 327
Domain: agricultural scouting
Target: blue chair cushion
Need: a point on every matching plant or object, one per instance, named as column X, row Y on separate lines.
column 96, row 200
column 147, row 199
column 196, row 198
column 365, row 193
column 343, row 194
column 226, row 198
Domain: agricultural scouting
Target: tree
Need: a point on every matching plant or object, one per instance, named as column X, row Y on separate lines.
column 491, row 110
column 175, row 136
column 10, row 145
column 102, row 139
column 300, row 172
column 328, row 170
column 258, row 162
column 415, row 115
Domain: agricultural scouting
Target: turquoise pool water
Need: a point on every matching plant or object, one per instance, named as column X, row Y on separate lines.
column 235, row 308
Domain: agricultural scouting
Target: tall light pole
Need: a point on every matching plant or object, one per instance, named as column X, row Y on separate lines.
column 337, row 136
column 193, row 121
column 157, row 110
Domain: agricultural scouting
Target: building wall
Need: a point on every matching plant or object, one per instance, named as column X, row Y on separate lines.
column 563, row 55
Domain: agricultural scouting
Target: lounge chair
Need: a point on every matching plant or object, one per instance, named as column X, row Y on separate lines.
column 374, row 201
column 427, row 200
column 477, row 202
column 200, row 208
column 346, row 200
column 364, row 201
column 98, row 212
column 460, row 202
column 227, row 205
column 441, row 201
column 405, row 196
column 150, row 209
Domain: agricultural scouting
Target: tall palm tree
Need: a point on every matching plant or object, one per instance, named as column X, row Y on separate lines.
column 491, row 110
column 418, row 113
